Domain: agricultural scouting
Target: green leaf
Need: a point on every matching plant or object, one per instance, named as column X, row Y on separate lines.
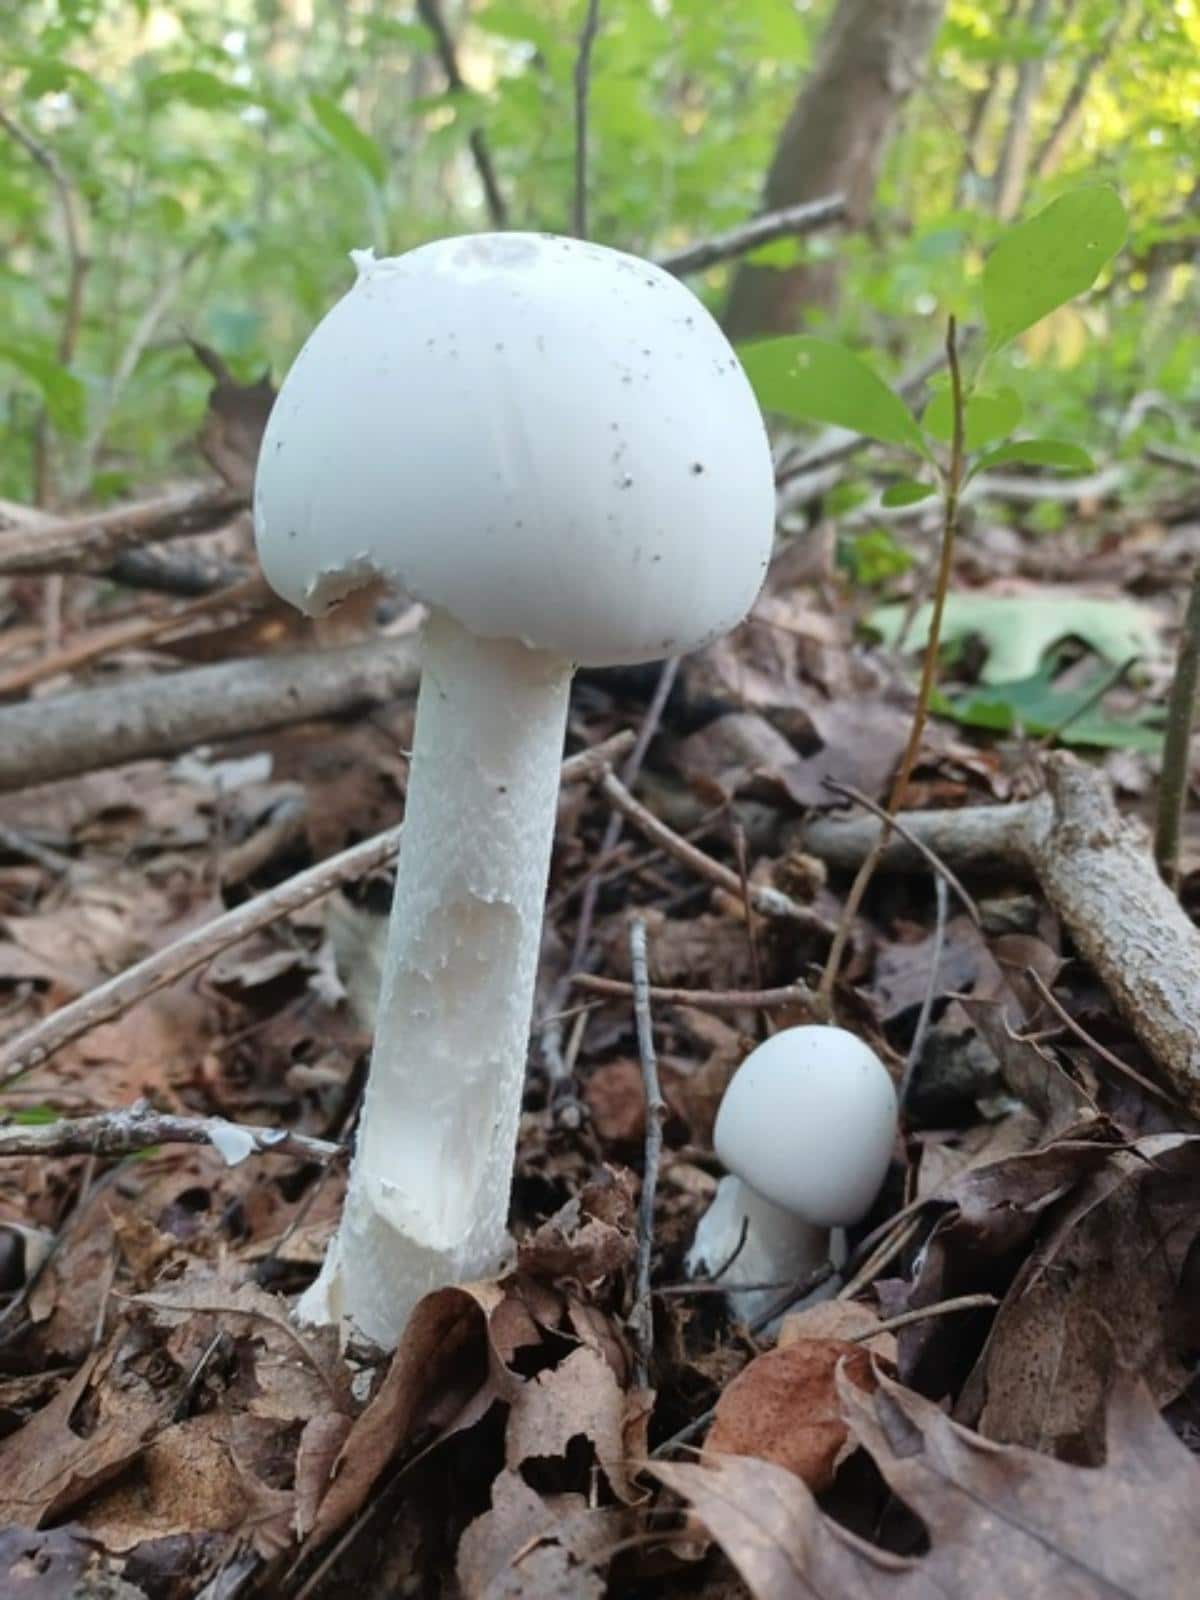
column 906, row 492
column 815, row 380
column 349, row 138
column 1039, row 453
column 1039, row 265
column 63, row 395
column 1020, row 630
column 1036, row 706
column 196, row 88
column 986, row 416
column 872, row 557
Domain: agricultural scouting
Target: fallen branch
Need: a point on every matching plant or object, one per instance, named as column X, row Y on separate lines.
column 139, row 1127
column 93, row 541
column 980, row 839
column 1097, row 870
column 786, row 223
column 111, row 999
column 44, row 740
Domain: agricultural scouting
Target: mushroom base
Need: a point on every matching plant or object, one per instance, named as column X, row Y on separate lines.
column 429, row 1188
column 778, row 1249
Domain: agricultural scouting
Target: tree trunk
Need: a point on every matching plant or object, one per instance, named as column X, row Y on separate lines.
column 1017, row 150
column 833, row 143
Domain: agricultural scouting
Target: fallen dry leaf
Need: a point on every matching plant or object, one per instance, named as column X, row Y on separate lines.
column 529, row 1548
column 1001, row 1521
column 784, row 1407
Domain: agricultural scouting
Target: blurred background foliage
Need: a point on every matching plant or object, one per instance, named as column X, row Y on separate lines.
column 200, row 170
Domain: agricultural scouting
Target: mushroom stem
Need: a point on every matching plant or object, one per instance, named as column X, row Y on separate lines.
column 429, row 1188
column 777, row 1248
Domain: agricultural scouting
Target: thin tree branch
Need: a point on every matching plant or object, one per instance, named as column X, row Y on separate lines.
column 430, row 13
column 788, row 222
column 112, row 999
column 582, row 80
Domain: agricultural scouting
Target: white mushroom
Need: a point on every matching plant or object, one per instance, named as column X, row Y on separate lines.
column 552, row 445
column 806, row 1130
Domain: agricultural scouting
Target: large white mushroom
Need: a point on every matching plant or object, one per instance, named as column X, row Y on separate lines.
column 806, row 1130
column 553, row 445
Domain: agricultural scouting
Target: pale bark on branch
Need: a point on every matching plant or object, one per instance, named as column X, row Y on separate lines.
column 1097, row 871
column 44, row 740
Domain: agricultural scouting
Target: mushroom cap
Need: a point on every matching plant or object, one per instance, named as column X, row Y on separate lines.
column 551, row 440
column 808, row 1121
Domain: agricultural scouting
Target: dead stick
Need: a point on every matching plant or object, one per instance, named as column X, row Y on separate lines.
column 770, row 902
column 897, row 825
column 139, row 1127
column 794, row 994
column 45, row 740
column 93, row 541
column 111, row 999
column 641, row 1318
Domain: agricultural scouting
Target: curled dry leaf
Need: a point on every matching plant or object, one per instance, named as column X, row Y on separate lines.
column 528, row 1547
column 784, row 1408
column 1001, row 1520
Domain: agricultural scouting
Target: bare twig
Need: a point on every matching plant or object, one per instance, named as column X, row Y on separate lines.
column 770, row 902
column 112, row 1134
column 1177, row 748
column 111, row 999
column 943, row 1308
column 939, row 867
column 1068, row 1021
column 788, row 222
column 582, row 80
column 905, row 1229
column 641, row 1318
column 935, row 962
column 430, row 13
column 951, row 488
column 94, row 540
column 127, row 635
column 794, row 994
column 551, row 1039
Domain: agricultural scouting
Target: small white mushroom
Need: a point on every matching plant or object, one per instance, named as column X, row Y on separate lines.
column 553, row 445
column 806, row 1130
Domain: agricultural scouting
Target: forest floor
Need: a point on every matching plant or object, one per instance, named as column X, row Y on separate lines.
column 998, row 1399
